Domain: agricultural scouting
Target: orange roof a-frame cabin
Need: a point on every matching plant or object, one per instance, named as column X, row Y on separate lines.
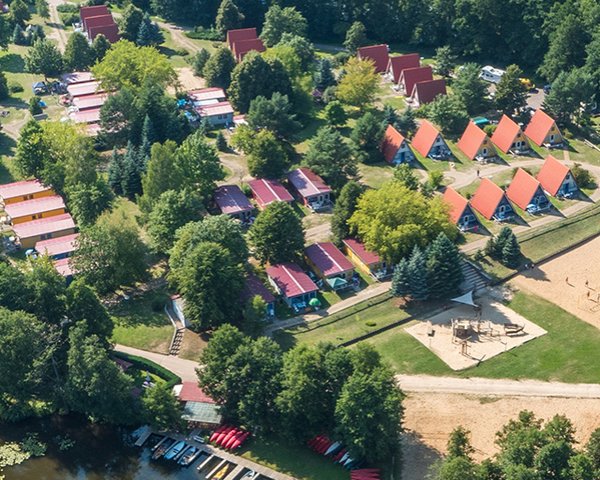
column 524, row 189
column 475, row 142
column 542, row 129
column 425, row 92
column 411, row 76
column 508, row 135
column 457, row 203
column 395, row 148
column 399, row 63
column 488, row 198
column 240, row 34
column 556, row 177
column 378, row 54
column 427, row 137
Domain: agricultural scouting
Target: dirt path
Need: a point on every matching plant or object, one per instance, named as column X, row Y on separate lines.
column 237, row 167
column 186, row 369
column 178, row 36
column 58, row 30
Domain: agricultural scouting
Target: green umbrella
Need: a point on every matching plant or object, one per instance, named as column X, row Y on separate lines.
column 314, row 302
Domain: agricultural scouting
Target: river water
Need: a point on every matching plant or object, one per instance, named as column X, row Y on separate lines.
column 99, row 453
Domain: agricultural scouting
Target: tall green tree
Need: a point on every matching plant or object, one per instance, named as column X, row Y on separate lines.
column 268, row 156
column 279, row 21
column 470, row 89
column 324, row 76
column 401, row 279
column 199, row 61
column 366, row 138
column 41, row 8
column 443, row 267
column 130, row 21
column 218, row 68
column 330, row 156
column 404, row 174
column 83, row 305
column 87, row 201
column 161, row 409
column 47, row 291
column 78, row 53
column 570, row 91
column 277, row 234
column 149, row 33
column 44, row 58
column 445, row 60
column 359, row 84
column 32, row 149
column 356, row 37
column 19, row 13
column 100, row 46
column 160, row 175
column 275, row 114
column 511, row 93
column 228, row 17
column 417, row 268
column 343, row 209
column 449, row 113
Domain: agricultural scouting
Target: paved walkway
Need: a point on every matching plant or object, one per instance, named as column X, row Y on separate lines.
column 493, row 387
column 186, row 369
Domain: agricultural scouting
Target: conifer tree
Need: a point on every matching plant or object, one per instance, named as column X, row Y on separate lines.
column 148, row 138
column 324, row 76
column 115, row 173
column 221, row 142
column 199, row 61
column 390, row 116
column 417, row 267
column 131, row 179
column 228, row 17
column 18, row 36
column 401, row 279
column 511, row 252
column 443, row 267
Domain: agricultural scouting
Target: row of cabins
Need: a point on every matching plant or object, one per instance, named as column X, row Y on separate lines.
column 428, row 142
column 510, row 137
column 524, row 191
column 84, row 99
column 211, row 104
column 40, row 221
column 413, row 80
column 97, row 20
column 308, row 187
column 244, row 40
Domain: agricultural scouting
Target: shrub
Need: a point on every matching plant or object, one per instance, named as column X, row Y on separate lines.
column 69, row 18
column 182, row 52
column 67, row 8
column 151, row 367
column 15, row 87
column 34, row 106
column 202, row 33
column 340, row 59
column 582, row 177
column 490, row 129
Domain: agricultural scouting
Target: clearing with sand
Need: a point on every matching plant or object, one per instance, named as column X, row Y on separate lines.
column 571, row 281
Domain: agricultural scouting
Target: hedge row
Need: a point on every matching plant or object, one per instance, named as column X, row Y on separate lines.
column 150, row 366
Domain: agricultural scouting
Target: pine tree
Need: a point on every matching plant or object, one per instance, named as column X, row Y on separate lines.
column 324, row 76
column 148, row 138
column 405, row 122
column 131, row 183
column 228, row 17
column 443, row 267
column 18, row 36
column 417, row 268
column 390, row 116
column 401, row 279
column 199, row 61
column 356, row 37
column 100, row 46
column 115, row 173
column 495, row 245
column 144, row 36
column 511, row 252
column 221, row 142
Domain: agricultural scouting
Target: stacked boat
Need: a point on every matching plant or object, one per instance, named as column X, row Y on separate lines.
column 229, row 437
column 365, row 474
column 325, row 446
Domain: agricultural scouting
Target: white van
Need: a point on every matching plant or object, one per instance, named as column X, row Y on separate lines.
column 491, row 74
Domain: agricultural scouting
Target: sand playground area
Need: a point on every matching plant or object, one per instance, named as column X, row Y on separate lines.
column 462, row 337
column 571, row 281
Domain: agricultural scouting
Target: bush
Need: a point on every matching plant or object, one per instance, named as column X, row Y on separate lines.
column 246, row 189
column 182, row 52
column 202, row 33
column 340, row 59
column 582, row 177
column 67, row 8
column 151, row 367
column 15, row 87
column 34, row 106
column 221, row 142
column 490, row 129
column 69, row 18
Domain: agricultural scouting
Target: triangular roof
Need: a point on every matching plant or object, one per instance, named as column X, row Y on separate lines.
column 487, row 198
column 552, row 175
column 505, row 133
column 400, row 62
column 427, row 91
column 378, row 53
column 471, row 140
column 240, row 34
column 425, row 138
column 456, row 202
column 411, row 76
column 522, row 189
column 242, row 47
column 392, row 141
column 539, row 126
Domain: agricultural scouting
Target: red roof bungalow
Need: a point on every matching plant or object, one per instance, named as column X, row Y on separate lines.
column 460, row 211
column 491, row 201
column 400, row 62
column 240, row 34
column 24, row 190
column 542, row 130
column 95, row 100
column 395, row 147
column 310, row 188
column 84, row 88
column 508, row 136
column 231, row 201
column 58, row 248
column 76, row 77
column 216, row 113
column 475, row 144
column 556, row 178
column 329, row 263
column 427, row 91
column 111, row 32
column 411, row 76
column 91, row 115
column 266, row 191
column 199, row 409
column 242, row 47
column 428, row 141
column 93, row 11
column 203, row 96
column 526, row 193
column 36, row 208
column 64, row 268
column 254, row 287
column 378, row 54
column 29, row 233
column 295, row 286
column 369, row 262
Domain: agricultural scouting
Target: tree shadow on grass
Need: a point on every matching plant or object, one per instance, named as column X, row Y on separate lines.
column 147, row 309
column 12, row 63
column 7, row 147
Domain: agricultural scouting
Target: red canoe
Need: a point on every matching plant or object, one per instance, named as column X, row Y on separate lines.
column 325, row 446
column 340, row 454
column 313, row 441
column 217, row 431
column 222, row 434
column 229, row 435
column 232, row 439
column 240, row 440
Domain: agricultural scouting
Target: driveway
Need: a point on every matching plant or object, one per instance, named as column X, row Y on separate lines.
column 186, row 369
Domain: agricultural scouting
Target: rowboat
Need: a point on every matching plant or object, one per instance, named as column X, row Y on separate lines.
column 174, row 450
column 160, row 451
column 187, row 456
column 221, row 473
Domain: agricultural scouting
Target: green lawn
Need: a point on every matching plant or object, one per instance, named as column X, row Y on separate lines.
column 568, row 353
column 375, row 175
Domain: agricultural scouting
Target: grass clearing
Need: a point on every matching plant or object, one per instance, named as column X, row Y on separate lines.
column 375, row 175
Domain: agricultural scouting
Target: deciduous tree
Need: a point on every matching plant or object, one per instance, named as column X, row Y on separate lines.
column 511, row 93
column 356, row 37
column 343, row 209
column 268, row 156
column 218, row 68
column 359, row 84
column 228, row 17
column 366, row 138
column 275, row 114
column 279, row 21
column 44, row 58
column 78, row 53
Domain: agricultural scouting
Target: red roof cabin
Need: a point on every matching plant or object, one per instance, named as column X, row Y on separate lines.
column 29, row 233
column 427, row 91
column 428, row 141
column 242, row 47
column 216, row 114
column 310, row 188
column 411, row 76
column 556, row 178
column 329, row 263
column 475, row 144
column 491, row 201
column 508, row 137
column 253, row 287
column 378, row 54
column 89, row 116
column 395, row 147
column 199, row 410
column 265, row 192
column 64, row 268
column 542, row 130
column 84, row 88
column 461, row 213
column 240, row 34
column 93, row 11
column 24, row 190
column 85, row 102
column 399, row 63
column 527, row 193
column 76, row 77
column 57, row 248
column 231, row 201
column 295, row 286
column 34, row 209
column 111, row 32
column 206, row 96
column 367, row 261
